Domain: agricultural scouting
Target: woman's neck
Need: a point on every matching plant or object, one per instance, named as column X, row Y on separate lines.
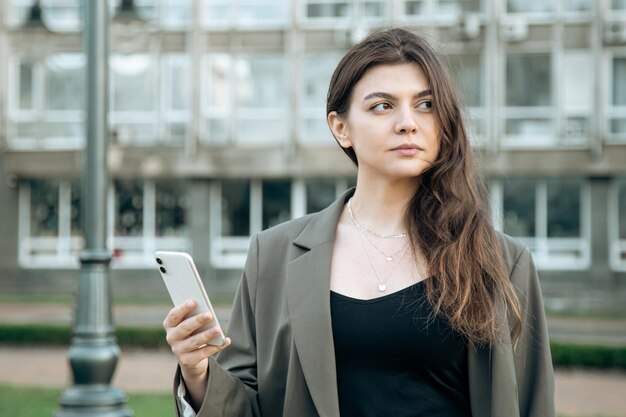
column 381, row 207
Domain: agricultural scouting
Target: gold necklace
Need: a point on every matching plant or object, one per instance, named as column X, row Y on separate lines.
column 371, row 232
column 382, row 285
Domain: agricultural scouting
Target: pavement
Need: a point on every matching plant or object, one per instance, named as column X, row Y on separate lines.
column 579, row 392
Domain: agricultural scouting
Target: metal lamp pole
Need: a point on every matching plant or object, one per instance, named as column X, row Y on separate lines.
column 94, row 352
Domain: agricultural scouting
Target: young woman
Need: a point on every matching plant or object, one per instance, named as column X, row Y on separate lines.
column 399, row 299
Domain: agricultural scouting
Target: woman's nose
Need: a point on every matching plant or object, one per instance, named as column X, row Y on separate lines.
column 406, row 122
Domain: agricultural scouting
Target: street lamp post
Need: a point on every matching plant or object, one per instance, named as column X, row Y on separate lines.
column 93, row 353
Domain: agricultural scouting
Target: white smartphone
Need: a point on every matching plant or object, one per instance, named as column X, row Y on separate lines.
column 183, row 283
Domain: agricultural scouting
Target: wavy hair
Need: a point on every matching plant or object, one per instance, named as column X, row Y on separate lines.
column 448, row 217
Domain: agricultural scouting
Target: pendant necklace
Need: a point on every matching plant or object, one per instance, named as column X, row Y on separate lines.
column 388, row 258
column 382, row 284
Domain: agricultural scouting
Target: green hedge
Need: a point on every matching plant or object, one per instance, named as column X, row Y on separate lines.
column 51, row 335
column 563, row 354
column 570, row 354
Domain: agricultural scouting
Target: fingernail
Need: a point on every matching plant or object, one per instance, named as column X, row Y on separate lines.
column 189, row 303
column 208, row 316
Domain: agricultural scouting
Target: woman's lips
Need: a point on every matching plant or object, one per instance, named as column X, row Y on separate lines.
column 407, row 149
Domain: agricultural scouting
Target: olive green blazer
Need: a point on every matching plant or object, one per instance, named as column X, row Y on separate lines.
column 281, row 361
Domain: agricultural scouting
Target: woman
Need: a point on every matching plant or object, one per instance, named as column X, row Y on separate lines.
column 399, row 299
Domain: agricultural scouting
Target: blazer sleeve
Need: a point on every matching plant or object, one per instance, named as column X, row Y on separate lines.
column 533, row 361
column 232, row 380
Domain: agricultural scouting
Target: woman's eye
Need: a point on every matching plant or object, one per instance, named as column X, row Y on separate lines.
column 381, row 107
column 425, row 105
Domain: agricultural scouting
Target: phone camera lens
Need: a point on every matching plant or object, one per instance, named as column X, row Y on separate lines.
column 162, row 269
column 159, row 261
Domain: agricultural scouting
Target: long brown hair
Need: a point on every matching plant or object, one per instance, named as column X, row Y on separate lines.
column 448, row 217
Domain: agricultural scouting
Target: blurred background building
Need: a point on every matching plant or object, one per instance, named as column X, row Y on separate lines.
column 217, row 118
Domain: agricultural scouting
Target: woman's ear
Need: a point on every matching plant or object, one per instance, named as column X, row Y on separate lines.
column 339, row 127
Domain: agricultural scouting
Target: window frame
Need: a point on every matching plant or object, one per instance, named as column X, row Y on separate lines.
column 230, row 252
column 40, row 114
column 234, row 22
column 541, row 245
column 65, row 247
column 509, row 113
column 617, row 246
column 613, row 112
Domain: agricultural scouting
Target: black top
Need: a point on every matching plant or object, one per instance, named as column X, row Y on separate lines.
column 393, row 361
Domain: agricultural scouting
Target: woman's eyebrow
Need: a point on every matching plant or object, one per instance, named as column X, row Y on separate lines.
column 387, row 96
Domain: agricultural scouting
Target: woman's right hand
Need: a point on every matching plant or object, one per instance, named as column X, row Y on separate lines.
column 191, row 350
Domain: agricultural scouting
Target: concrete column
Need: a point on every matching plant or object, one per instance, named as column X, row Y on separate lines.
column 599, row 270
column 199, row 229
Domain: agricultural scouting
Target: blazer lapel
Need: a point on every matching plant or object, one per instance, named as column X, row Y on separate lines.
column 308, row 300
column 492, row 383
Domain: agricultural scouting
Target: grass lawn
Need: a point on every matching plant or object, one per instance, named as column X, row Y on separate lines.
column 40, row 402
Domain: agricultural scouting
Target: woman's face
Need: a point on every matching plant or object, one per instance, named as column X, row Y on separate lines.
column 390, row 122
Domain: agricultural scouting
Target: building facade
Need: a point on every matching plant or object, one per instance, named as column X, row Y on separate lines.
column 217, row 122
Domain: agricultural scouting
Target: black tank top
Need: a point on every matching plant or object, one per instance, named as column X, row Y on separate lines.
column 393, row 361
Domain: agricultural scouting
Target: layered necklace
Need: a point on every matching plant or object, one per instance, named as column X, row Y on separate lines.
column 382, row 284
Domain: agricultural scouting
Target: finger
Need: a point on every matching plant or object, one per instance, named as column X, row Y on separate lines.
column 191, row 325
column 178, row 313
column 210, row 350
column 199, row 340
column 194, row 357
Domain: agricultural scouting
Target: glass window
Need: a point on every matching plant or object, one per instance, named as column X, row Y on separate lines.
column 254, row 12
column 222, row 13
column 578, row 5
column 414, row 7
column 18, row 12
column 316, row 71
column 467, row 73
column 528, row 80
column 129, row 204
column 327, row 9
column 171, row 208
column 619, row 81
column 618, row 100
column 577, row 80
column 528, row 119
column 133, row 79
column 44, row 208
column 217, row 97
column 618, row 4
column 62, row 15
column 65, row 82
column 176, row 13
column 374, row 10
column 621, row 208
column 235, row 207
column 262, row 99
column 457, row 7
column 177, row 96
column 216, row 13
column 319, row 194
column 530, row 6
column 134, row 97
column 178, row 85
column 578, row 91
column 519, row 207
column 564, row 208
column 276, row 202
column 75, row 210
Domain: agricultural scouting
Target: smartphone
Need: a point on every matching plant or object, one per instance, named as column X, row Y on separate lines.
column 183, row 283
